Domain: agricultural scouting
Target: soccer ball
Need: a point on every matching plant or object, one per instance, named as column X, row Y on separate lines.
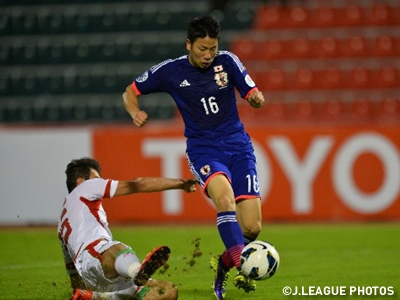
column 259, row 260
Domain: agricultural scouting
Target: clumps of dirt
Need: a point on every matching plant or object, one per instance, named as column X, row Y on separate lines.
column 196, row 252
column 161, row 291
column 191, row 260
column 164, row 268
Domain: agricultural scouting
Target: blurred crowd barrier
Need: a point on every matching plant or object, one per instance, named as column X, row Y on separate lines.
column 306, row 173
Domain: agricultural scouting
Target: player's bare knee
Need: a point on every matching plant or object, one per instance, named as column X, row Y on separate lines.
column 252, row 230
column 224, row 203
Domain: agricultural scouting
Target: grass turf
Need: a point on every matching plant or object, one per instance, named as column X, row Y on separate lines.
column 312, row 255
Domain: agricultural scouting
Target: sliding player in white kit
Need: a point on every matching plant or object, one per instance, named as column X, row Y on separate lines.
column 99, row 266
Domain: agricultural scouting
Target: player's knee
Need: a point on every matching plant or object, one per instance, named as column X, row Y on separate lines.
column 224, row 203
column 252, row 230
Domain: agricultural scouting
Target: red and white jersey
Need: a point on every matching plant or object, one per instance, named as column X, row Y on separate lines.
column 83, row 219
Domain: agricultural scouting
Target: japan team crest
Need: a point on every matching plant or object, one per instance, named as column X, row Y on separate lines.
column 205, row 170
column 221, row 79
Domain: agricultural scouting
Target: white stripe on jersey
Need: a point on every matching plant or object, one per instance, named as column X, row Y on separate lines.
column 155, row 68
column 235, row 59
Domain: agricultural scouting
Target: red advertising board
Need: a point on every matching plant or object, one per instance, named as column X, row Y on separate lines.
column 316, row 173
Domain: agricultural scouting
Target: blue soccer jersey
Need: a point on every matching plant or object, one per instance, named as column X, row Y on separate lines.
column 205, row 98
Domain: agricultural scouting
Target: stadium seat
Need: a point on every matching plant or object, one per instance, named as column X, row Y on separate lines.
column 388, row 77
column 77, row 22
column 388, row 109
column 324, row 17
column 333, row 110
column 246, row 112
column 331, row 78
column 51, row 23
column 83, row 83
column 297, row 17
column 5, row 54
column 5, row 85
column 111, row 84
column 123, row 50
column 383, row 15
column 81, row 53
column 137, row 51
column 236, row 17
column 356, row 46
column 360, row 78
column 245, row 48
column 362, row 110
column 328, row 47
column 386, row 46
column 301, row 48
column 52, row 53
column 304, row 110
column 273, row 49
column 275, row 79
column 305, row 79
column 275, row 111
column 5, row 25
column 128, row 20
column 25, row 85
column 24, row 24
column 353, row 15
column 51, row 84
column 107, row 22
column 268, row 17
column 25, row 54
column 105, row 52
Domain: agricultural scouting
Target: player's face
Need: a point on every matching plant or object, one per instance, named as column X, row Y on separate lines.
column 93, row 174
column 202, row 51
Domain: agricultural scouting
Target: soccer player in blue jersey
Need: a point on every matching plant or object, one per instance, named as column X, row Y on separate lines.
column 219, row 151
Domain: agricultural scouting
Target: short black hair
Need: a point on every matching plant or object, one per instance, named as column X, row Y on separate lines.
column 80, row 168
column 201, row 27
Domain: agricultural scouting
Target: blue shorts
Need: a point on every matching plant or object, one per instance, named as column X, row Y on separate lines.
column 238, row 166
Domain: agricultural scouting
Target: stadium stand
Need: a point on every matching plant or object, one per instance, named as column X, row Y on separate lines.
column 315, row 60
column 70, row 61
column 324, row 60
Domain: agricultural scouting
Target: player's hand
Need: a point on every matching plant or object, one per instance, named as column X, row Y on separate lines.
column 189, row 185
column 140, row 118
column 256, row 99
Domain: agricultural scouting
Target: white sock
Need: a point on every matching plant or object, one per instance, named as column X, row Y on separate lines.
column 127, row 263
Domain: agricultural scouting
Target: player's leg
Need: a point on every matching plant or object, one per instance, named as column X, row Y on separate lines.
column 247, row 194
column 121, row 260
column 249, row 216
column 213, row 178
column 248, row 209
column 221, row 193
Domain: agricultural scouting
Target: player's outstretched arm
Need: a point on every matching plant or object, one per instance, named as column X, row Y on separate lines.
column 154, row 184
column 256, row 99
column 131, row 104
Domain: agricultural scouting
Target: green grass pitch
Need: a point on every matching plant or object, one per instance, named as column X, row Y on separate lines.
column 312, row 255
